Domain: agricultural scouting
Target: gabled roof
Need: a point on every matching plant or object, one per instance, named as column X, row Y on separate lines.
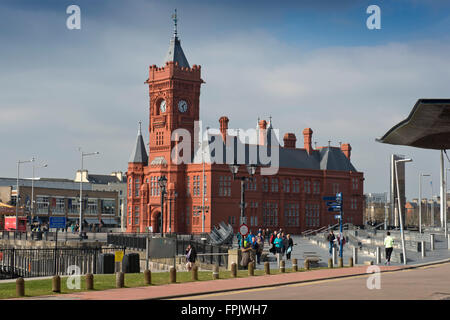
column 139, row 154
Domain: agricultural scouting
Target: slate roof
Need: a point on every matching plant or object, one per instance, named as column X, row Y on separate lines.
column 176, row 54
column 139, row 154
column 326, row 158
column 104, row 179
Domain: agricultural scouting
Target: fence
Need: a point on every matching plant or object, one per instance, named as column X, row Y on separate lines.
column 172, row 246
column 28, row 263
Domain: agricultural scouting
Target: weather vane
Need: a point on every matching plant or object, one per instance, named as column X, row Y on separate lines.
column 174, row 17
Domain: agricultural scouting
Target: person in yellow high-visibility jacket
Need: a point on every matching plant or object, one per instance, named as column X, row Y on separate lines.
column 389, row 246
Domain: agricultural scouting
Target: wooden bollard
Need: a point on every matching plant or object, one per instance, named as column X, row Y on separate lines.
column 282, row 266
column 294, row 265
column 194, row 273
column 120, row 279
column 215, row 273
column 56, row 284
column 20, row 287
column 147, row 277
column 350, row 262
column 340, row 262
column 251, row 269
column 234, row 270
column 307, row 264
column 330, row 263
column 173, row 275
column 89, row 281
column 266, row 267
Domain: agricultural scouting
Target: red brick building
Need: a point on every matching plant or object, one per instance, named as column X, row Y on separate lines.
column 290, row 199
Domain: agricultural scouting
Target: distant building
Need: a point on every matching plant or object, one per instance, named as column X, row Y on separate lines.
column 60, row 197
column 116, row 182
column 376, row 205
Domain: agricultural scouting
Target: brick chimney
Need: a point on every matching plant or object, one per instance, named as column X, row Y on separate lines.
column 307, row 137
column 262, row 132
column 346, row 149
column 289, row 140
column 224, row 127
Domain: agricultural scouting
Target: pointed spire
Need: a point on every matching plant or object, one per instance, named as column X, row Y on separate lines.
column 175, row 52
column 139, row 154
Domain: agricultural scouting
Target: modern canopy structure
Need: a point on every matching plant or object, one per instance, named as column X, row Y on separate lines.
column 427, row 127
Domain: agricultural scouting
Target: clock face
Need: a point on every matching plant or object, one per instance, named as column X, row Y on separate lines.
column 162, row 106
column 182, row 106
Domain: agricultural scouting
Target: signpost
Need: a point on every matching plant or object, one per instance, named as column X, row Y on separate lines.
column 57, row 223
column 334, row 204
column 243, row 229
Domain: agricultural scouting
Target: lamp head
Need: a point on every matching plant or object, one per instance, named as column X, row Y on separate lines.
column 251, row 168
column 234, row 169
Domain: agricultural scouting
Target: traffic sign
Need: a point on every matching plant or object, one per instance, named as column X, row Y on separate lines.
column 118, row 256
column 337, row 216
column 57, row 222
column 330, row 203
column 334, row 209
column 329, row 198
column 243, row 229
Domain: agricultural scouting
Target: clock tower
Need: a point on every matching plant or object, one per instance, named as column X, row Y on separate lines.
column 174, row 99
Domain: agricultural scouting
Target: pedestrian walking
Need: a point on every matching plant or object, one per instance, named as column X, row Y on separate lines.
column 239, row 238
column 278, row 242
column 272, row 242
column 191, row 255
column 290, row 246
column 260, row 241
column 389, row 247
column 330, row 239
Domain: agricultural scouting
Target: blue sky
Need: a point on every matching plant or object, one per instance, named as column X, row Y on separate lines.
column 306, row 63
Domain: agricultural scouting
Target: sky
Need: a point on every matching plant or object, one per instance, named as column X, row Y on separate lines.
column 304, row 63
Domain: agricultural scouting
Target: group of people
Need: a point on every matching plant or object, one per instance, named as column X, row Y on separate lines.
column 253, row 245
column 335, row 241
column 388, row 244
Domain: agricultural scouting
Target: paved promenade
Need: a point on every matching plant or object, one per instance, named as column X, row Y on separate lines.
column 212, row 286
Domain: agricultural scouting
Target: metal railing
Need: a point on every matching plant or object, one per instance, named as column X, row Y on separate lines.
column 29, row 263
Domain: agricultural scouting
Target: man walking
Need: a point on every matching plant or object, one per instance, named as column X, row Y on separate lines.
column 330, row 239
column 389, row 246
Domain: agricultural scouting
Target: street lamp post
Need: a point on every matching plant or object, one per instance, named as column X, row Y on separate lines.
column 83, row 154
column 251, row 168
column 162, row 184
column 18, row 190
column 32, row 190
column 400, row 207
column 420, row 199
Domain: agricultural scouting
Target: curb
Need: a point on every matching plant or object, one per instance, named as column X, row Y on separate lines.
column 401, row 268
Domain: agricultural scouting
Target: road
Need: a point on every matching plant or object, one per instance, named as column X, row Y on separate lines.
column 428, row 282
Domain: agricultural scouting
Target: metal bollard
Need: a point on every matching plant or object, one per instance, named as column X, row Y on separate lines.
column 147, row 277
column 56, row 284
column 378, row 255
column 120, row 279
column 89, row 281
column 432, row 241
column 423, row 249
column 340, row 262
column 350, row 262
column 173, row 275
column 294, row 265
column 234, row 270
column 334, row 255
column 215, row 273
column 20, row 287
column 282, row 266
column 251, row 269
column 448, row 241
column 266, row 268
column 194, row 273
column 355, row 255
column 330, row 263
